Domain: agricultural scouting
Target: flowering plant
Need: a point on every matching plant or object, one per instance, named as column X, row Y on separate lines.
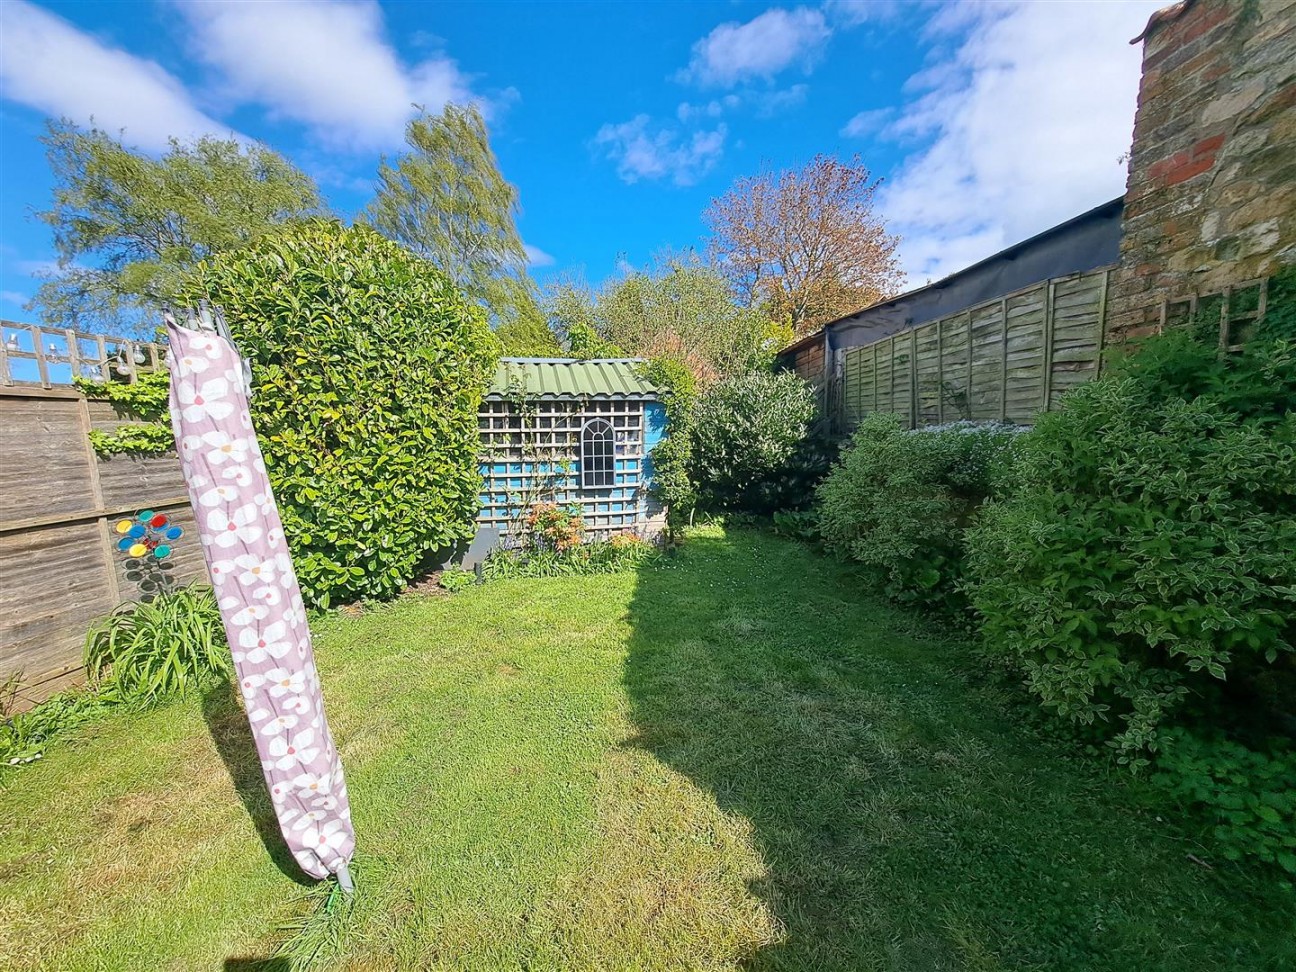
column 553, row 527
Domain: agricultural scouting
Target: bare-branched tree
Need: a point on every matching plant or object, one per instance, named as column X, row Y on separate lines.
column 805, row 244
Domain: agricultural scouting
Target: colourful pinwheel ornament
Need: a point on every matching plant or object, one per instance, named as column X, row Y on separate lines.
column 149, row 534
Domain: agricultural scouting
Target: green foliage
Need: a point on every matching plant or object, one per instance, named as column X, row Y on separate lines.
column 672, row 484
column 145, row 652
column 798, row 525
column 127, row 225
column 447, row 201
column 146, row 439
column 455, row 579
column 528, row 336
column 24, row 736
column 622, row 552
column 752, row 448
column 1147, row 553
column 900, row 500
column 1279, row 322
column 148, row 397
column 368, row 370
column 1245, row 797
column 584, row 342
column 678, row 309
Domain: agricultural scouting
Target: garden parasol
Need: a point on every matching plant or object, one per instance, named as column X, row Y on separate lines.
column 256, row 588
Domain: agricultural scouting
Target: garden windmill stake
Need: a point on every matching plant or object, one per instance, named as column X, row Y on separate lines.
column 256, row 588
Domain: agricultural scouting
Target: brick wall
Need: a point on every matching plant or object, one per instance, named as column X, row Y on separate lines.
column 1211, row 195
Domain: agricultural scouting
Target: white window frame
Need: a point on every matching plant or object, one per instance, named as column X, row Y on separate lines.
column 602, row 428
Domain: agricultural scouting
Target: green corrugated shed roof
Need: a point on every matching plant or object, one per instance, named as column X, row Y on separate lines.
column 572, row 378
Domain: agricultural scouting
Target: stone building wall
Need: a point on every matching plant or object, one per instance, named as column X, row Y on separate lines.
column 1211, row 194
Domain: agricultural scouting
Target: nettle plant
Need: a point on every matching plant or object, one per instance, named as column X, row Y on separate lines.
column 368, row 369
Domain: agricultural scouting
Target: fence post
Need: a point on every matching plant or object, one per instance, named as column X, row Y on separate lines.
column 1102, row 322
column 875, row 376
column 968, row 394
column 940, row 371
column 1047, row 377
column 1003, row 360
column 96, row 492
column 913, row 377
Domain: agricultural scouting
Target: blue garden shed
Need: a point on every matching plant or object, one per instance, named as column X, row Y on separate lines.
column 572, row 432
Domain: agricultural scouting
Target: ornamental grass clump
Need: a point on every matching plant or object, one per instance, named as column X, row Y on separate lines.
column 159, row 648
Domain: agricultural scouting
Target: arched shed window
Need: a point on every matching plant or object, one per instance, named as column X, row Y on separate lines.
column 598, row 454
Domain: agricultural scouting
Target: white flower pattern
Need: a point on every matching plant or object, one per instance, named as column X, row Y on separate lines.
column 248, row 560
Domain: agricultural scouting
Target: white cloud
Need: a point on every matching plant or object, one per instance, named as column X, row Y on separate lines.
column 537, row 257
column 764, row 103
column 760, row 48
column 326, row 65
column 770, row 103
column 851, row 13
column 49, row 65
column 867, row 123
column 13, row 297
column 643, row 150
column 1025, row 121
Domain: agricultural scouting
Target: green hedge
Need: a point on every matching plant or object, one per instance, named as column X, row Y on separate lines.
column 368, row 369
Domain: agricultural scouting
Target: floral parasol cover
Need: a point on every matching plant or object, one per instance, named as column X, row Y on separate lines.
column 260, row 602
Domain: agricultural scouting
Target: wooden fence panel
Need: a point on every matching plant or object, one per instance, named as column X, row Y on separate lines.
column 1002, row 360
column 59, row 568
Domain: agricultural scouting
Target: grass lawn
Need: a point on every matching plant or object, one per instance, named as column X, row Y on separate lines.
column 730, row 761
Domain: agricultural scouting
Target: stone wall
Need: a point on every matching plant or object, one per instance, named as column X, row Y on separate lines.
column 1211, row 195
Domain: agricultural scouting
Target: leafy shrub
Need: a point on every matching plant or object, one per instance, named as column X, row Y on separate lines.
column 672, row 482
column 553, row 528
column 368, row 369
column 147, row 398
column 798, row 525
column 621, row 552
column 1147, row 553
column 900, row 500
column 752, row 449
column 162, row 647
column 455, row 579
column 25, row 735
column 1246, row 798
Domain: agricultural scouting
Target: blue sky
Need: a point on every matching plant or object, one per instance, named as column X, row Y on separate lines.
column 618, row 122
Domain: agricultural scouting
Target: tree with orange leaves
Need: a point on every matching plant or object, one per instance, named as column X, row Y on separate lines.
column 805, row 245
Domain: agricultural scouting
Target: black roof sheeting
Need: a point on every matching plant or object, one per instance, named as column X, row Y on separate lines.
column 1083, row 243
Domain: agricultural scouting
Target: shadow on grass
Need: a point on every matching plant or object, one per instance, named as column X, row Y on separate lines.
column 227, row 723
column 258, row 965
column 905, row 817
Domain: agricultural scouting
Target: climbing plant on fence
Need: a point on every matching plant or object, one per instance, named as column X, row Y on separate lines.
column 368, row 368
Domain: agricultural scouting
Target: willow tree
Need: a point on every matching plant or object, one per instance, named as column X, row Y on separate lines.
column 128, row 226
column 805, row 244
column 446, row 200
